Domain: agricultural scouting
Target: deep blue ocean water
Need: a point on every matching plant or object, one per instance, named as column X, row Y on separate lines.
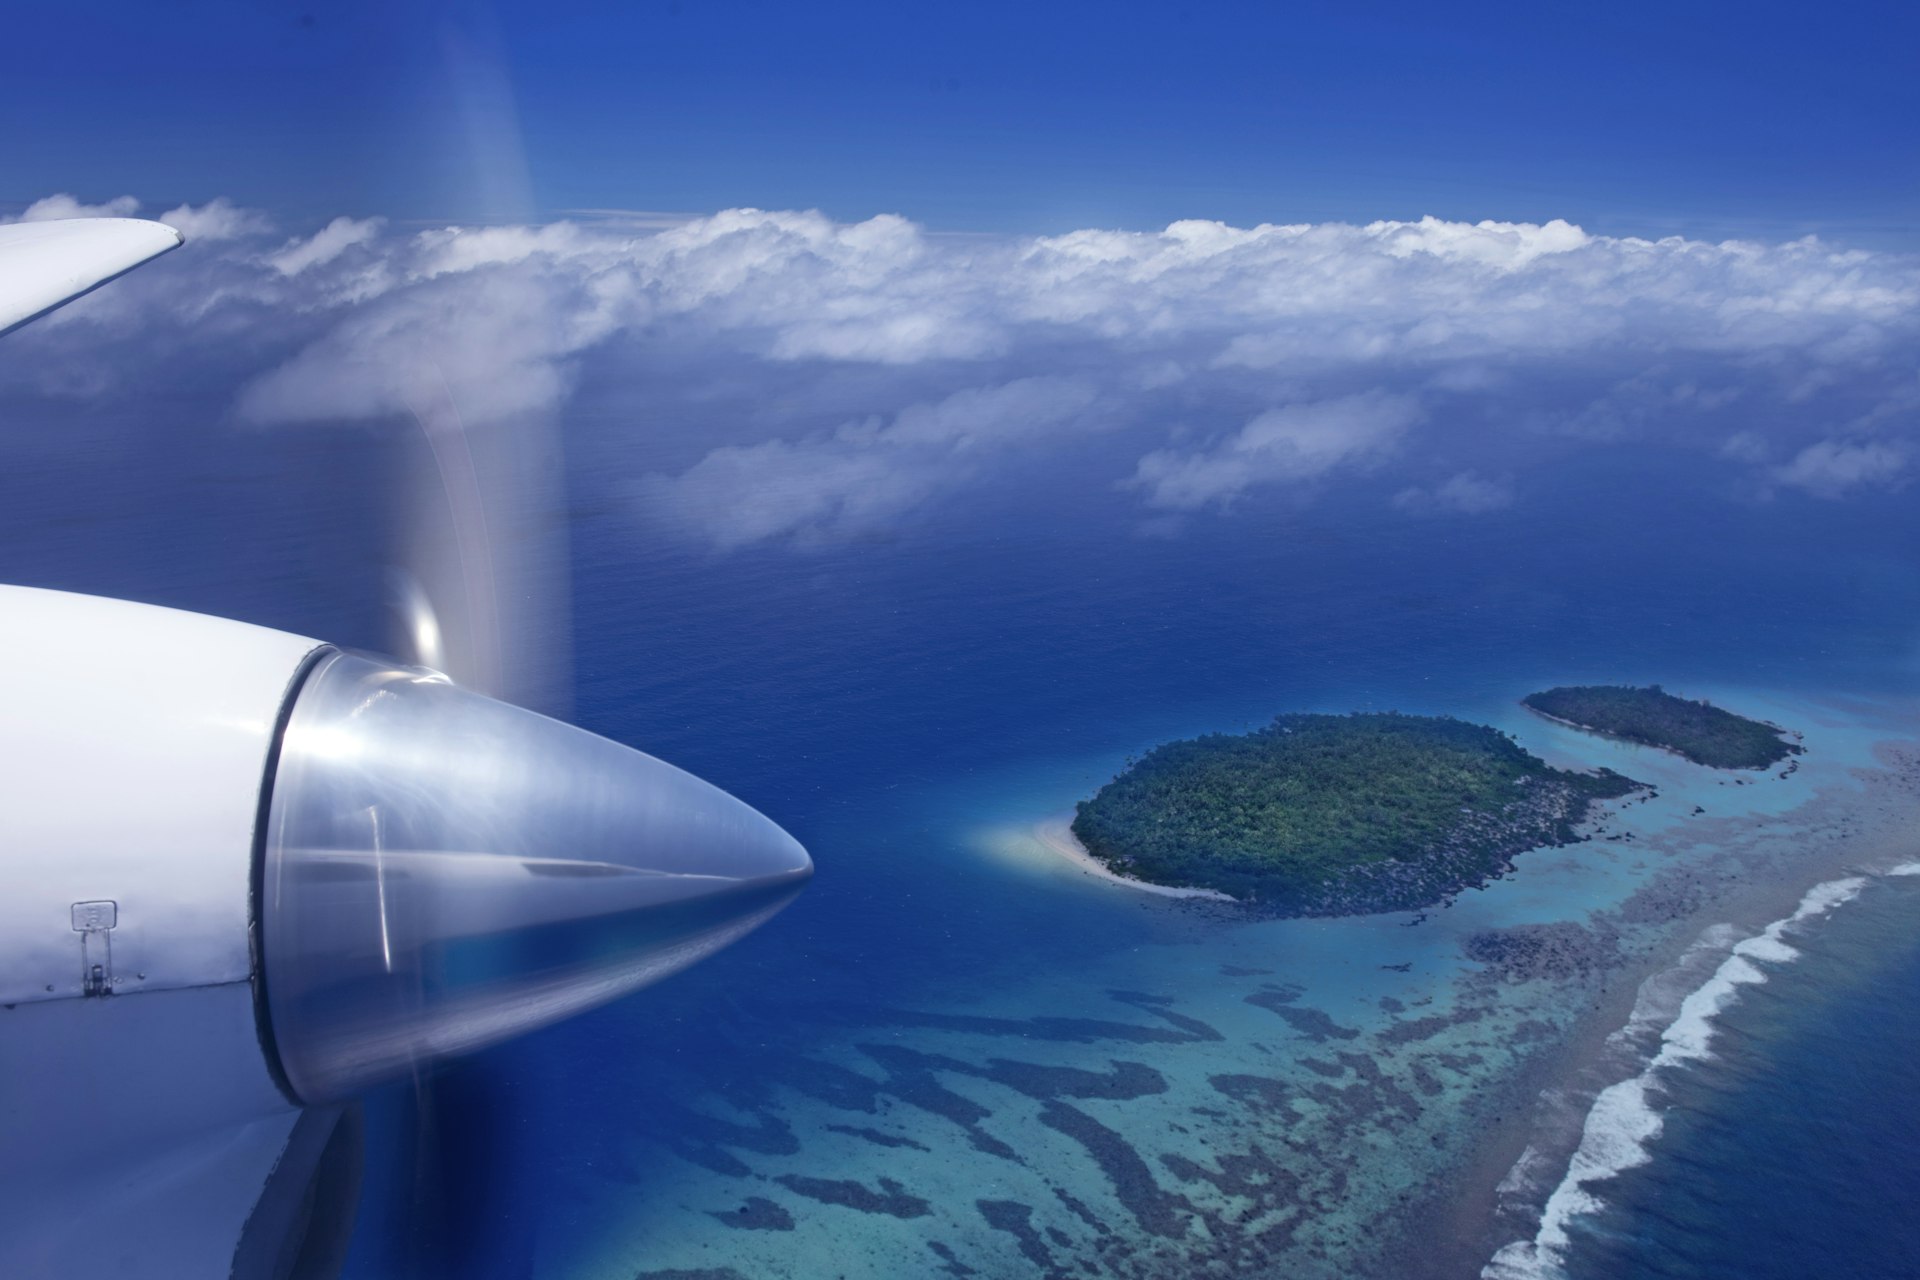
column 853, row 693
column 1796, row 1150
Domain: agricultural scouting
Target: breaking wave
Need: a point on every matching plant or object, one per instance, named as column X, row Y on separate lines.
column 1625, row 1117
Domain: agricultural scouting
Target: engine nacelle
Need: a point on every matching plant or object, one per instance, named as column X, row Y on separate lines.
column 244, row 870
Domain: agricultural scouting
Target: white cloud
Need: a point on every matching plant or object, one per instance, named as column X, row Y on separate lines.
column 1641, row 406
column 1465, row 493
column 1832, row 468
column 491, row 342
column 1503, row 246
column 952, row 361
column 1292, row 443
column 324, row 245
column 65, row 206
column 216, row 220
column 1745, row 446
column 862, row 475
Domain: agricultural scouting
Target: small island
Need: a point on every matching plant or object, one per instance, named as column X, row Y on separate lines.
column 1337, row 815
column 1699, row 731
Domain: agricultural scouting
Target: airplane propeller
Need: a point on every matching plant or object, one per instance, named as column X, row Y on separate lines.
column 445, row 867
column 530, row 871
column 276, row 874
column 477, row 581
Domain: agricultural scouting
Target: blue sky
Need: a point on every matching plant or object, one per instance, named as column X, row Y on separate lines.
column 1763, row 120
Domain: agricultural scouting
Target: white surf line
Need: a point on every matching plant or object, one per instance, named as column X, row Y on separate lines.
column 1057, row 835
column 1623, row 1118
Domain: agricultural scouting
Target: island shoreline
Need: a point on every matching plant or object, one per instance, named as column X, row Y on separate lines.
column 1455, row 1234
column 1676, row 752
column 1056, row 835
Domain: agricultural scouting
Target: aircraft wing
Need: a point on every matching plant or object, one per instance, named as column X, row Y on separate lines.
column 43, row 264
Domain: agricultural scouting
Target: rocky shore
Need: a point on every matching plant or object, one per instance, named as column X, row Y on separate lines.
column 1479, row 850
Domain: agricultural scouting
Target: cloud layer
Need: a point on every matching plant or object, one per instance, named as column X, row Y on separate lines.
column 875, row 368
column 1290, row 444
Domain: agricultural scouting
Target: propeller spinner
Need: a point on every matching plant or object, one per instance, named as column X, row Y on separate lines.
column 442, row 871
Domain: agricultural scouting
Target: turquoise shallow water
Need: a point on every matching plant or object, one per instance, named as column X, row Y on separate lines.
column 1066, row 1073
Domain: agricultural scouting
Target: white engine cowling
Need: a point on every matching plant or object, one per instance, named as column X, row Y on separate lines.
column 245, row 872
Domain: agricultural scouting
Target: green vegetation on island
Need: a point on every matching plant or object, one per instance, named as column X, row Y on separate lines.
column 1701, row 732
column 1337, row 815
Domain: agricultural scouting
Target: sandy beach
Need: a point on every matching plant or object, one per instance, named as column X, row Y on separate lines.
column 1057, row 835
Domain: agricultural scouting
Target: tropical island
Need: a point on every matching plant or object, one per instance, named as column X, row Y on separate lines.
column 1318, row 815
column 1699, row 731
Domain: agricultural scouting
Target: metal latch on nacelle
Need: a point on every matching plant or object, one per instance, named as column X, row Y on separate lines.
column 94, row 922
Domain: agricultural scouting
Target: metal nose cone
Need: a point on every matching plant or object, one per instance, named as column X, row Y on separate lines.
column 440, row 871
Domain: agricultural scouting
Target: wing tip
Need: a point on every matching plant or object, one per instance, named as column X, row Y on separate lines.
column 44, row 265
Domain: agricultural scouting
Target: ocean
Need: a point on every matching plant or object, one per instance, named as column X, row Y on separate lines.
column 1791, row 1150
column 954, row 1055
